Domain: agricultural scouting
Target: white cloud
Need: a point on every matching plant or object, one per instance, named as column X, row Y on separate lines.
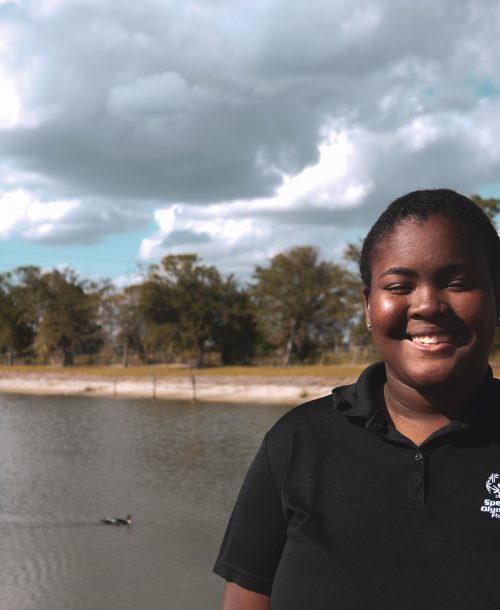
column 13, row 207
column 63, row 221
column 420, row 133
column 129, row 279
column 21, row 214
column 363, row 22
column 10, row 103
column 248, row 126
column 166, row 218
column 249, row 225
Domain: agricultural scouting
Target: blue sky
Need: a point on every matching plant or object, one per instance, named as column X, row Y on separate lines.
column 115, row 256
column 233, row 129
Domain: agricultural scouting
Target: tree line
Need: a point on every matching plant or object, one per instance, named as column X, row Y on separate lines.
column 297, row 308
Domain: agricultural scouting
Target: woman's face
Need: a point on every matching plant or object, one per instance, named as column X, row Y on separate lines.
column 432, row 305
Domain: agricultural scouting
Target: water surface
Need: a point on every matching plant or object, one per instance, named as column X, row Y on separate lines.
column 68, row 461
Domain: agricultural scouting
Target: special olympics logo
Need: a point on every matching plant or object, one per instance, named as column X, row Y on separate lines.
column 493, row 484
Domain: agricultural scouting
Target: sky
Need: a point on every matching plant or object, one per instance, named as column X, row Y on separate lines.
column 233, row 129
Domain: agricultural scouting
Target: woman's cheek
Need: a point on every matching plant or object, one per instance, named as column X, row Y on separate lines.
column 390, row 306
column 389, row 310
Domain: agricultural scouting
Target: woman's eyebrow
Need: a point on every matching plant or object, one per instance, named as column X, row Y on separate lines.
column 459, row 267
column 399, row 271
column 453, row 268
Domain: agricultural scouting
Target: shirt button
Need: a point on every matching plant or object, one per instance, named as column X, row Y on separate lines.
column 418, row 457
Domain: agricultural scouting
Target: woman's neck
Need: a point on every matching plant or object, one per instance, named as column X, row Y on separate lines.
column 417, row 414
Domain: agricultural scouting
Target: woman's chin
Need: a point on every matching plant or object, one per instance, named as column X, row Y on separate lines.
column 444, row 375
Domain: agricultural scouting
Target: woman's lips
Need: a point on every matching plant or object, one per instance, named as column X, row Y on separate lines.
column 432, row 339
column 432, row 342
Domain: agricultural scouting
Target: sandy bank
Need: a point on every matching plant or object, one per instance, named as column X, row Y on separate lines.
column 268, row 389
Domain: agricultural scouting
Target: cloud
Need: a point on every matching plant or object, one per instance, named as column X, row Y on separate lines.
column 247, row 126
column 159, row 95
column 19, row 212
column 62, row 222
column 10, row 105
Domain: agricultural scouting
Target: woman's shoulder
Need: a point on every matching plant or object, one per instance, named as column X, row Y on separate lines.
column 307, row 411
column 309, row 416
column 355, row 399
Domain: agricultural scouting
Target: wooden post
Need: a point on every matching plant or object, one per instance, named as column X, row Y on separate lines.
column 193, row 387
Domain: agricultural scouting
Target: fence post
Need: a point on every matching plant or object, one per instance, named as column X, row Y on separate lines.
column 193, row 387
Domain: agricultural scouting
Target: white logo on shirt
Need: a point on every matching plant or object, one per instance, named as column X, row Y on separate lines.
column 493, row 488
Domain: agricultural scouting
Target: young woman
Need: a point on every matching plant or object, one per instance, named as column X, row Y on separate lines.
column 387, row 495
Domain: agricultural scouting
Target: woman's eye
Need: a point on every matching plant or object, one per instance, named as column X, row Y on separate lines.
column 398, row 288
column 460, row 285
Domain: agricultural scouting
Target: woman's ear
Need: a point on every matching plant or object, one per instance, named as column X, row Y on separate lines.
column 366, row 299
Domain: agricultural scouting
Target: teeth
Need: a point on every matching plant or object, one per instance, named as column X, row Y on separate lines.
column 432, row 339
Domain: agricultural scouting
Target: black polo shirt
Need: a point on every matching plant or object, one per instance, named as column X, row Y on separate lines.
column 340, row 511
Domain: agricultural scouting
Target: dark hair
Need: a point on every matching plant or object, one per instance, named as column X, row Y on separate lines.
column 469, row 220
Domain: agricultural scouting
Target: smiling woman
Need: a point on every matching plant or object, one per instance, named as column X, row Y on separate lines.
column 430, row 269
column 432, row 309
column 379, row 497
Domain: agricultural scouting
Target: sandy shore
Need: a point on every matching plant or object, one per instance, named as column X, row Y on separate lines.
column 250, row 389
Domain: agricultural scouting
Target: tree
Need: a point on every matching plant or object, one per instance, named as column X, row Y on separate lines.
column 68, row 311
column 121, row 320
column 16, row 320
column 352, row 253
column 491, row 207
column 236, row 335
column 183, row 299
column 160, row 331
column 130, row 322
column 359, row 334
column 302, row 302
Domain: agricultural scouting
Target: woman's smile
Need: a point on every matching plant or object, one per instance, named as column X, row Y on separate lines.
column 438, row 341
column 435, row 339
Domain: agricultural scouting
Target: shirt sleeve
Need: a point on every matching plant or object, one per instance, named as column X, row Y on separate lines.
column 256, row 533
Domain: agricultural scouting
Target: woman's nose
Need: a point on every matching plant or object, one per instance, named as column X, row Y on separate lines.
column 427, row 302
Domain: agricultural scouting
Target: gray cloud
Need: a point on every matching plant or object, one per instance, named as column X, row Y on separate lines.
column 142, row 105
column 87, row 222
column 183, row 237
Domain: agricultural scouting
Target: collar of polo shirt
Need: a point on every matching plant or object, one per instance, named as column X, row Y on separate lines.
column 357, row 402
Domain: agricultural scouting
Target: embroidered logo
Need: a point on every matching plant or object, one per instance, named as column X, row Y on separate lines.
column 493, row 488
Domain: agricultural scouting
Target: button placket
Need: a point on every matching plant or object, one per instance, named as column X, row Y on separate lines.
column 416, row 482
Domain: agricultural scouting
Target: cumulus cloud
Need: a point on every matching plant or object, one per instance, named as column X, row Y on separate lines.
column 62, row 222
column 247, row 126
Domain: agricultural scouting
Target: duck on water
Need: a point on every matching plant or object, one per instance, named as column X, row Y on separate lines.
column 118, row 520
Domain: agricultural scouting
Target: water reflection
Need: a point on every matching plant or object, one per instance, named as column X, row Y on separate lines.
column 67, row 462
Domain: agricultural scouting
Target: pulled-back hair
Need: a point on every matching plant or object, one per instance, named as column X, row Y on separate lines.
column 470, row 222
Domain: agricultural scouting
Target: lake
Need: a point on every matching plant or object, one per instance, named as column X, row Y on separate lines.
column 66, row 462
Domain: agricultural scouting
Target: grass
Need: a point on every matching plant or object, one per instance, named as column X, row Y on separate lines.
column 313, row 370
column 329, row 371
